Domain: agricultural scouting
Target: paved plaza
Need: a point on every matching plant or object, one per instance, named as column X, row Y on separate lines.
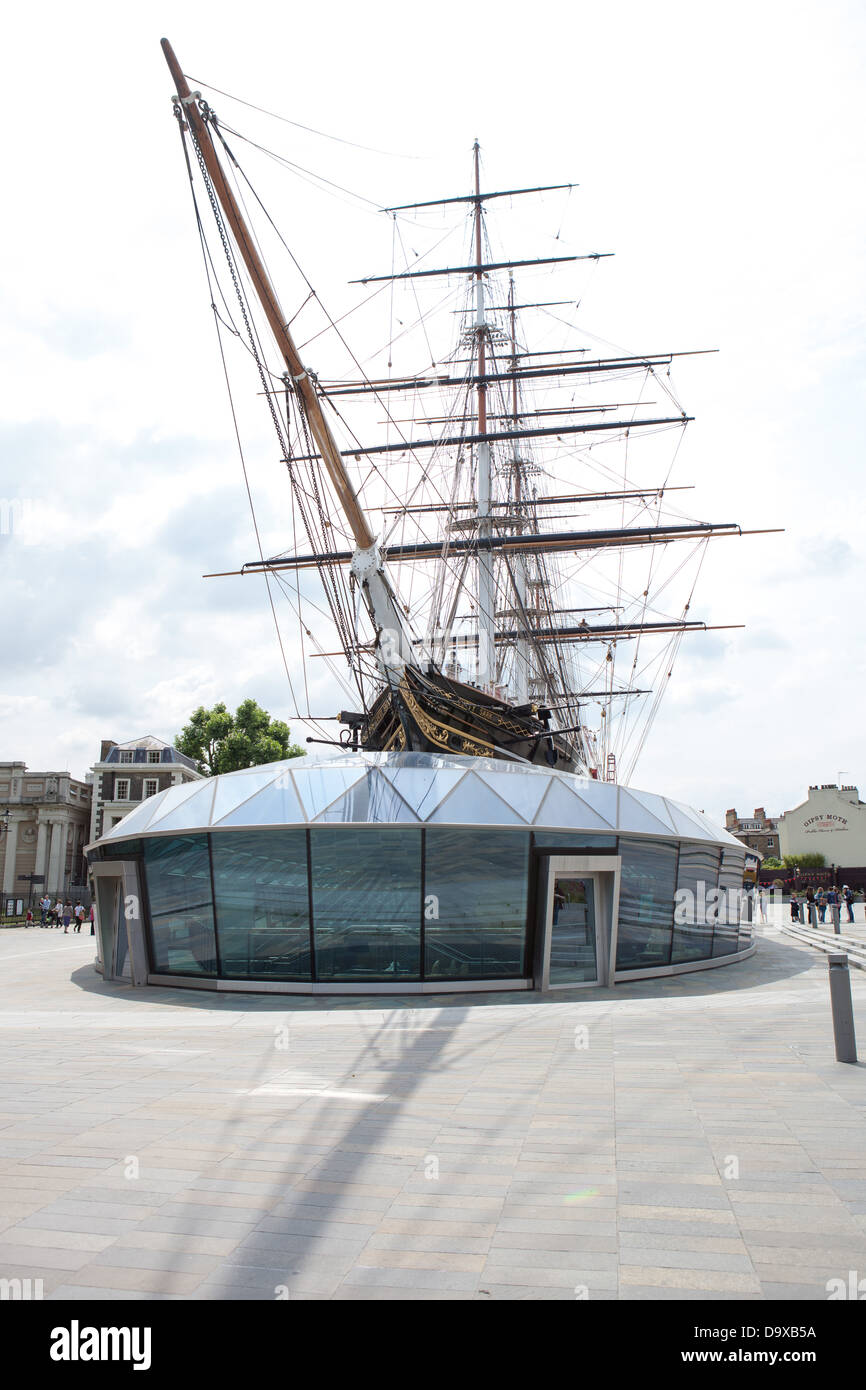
column 690, row 1138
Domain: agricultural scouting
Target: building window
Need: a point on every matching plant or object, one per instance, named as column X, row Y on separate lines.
column 262, row 903
column 696, row 910
column 121, row 788
column 151, row 787
column 475, row 890
column 181, row 910
column 126, row 755
column 153, row 755
column 646, row 904
column 366, row 903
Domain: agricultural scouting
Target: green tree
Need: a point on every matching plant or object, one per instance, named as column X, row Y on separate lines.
column 221, row 742
column 804, row 861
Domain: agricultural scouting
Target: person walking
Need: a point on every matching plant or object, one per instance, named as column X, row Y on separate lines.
column 67, row 917
column 848, row 899
column 79, row 914
column 58, row 912
column 821, row 904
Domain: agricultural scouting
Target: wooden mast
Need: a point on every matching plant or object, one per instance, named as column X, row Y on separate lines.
column 319, row 426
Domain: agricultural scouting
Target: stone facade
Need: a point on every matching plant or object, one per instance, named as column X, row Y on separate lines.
column 760, row 832
column 831, row 821
column 46, row 816
column 128, row 773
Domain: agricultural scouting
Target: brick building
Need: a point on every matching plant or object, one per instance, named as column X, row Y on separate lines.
column 127, row 773
column 760, row 831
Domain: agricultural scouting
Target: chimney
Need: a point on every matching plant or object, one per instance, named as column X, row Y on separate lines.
column 760, row 813
column 730, row 818
column 105, row 748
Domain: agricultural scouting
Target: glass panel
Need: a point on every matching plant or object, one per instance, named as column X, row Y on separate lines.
column 563, row 807
column 192, row 813
column 366, row 903
column 634, row 816
column 572, row 933
column 262, row 903
column 731, row 883
column 122, row 849
column 277, row 803
column 319, row 787
column 177, row 870
column 474, row 803
column 476, row 884
column 646, row 904
column 173, row 799
column 697, row 880
column 385, row 802
column 563, row 841
column 422, row 787
column 523, row 792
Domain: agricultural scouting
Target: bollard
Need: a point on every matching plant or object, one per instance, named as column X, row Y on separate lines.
column 836, row 914
column 801, row 911
column 842, row 1008
column 813, row 915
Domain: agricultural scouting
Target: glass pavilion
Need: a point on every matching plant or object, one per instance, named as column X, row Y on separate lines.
column 413, row 872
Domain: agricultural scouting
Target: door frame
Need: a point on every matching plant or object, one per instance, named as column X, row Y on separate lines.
column 604, row 870
column 126, row 911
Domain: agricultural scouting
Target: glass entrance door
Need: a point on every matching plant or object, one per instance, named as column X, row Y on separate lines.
column 573, row 955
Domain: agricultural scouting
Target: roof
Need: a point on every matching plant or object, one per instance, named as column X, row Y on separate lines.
column 413, row 788
column 140, row 747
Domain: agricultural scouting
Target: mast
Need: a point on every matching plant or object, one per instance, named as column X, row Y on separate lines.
column 486, row 671
column 394, row 645
column 521, row 651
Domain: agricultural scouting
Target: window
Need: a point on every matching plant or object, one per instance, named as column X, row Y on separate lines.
column 366, row 903
column 646, row 904
column 126, row 755
column 151, row 787
column 475, row 903
column 153, row 755
column 696, row 912
column 181, row 912
column 262, row 903
column 121, row 788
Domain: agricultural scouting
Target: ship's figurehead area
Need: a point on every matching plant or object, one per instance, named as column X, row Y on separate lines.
column 361, row 872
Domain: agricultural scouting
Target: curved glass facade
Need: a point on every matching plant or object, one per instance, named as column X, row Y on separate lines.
column 379, row 904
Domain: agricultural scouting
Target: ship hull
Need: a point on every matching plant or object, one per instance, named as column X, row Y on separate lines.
column 433, row 714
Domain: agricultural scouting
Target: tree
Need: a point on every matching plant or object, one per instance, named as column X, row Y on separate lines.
column 804, row 861
column 221, row 742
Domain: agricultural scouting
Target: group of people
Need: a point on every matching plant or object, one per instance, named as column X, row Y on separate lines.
column 821, row 899
column 61, row 914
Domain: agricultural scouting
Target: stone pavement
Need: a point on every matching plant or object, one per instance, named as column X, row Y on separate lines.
column 683, row 1139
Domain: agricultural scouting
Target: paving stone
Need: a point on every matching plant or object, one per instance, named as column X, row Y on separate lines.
column 560, row 1174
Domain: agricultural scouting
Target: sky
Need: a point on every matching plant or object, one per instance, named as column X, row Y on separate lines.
column 719, row 152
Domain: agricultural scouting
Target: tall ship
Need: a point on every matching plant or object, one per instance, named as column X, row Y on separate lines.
column 470, row 613
column 487, row 554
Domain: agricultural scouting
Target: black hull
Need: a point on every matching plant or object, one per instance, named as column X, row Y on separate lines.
column 431, row 714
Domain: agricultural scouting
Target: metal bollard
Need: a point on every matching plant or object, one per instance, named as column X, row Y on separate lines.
column 835, row 913
column 813, row 915
column 842, row 1008
column 801, row 912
